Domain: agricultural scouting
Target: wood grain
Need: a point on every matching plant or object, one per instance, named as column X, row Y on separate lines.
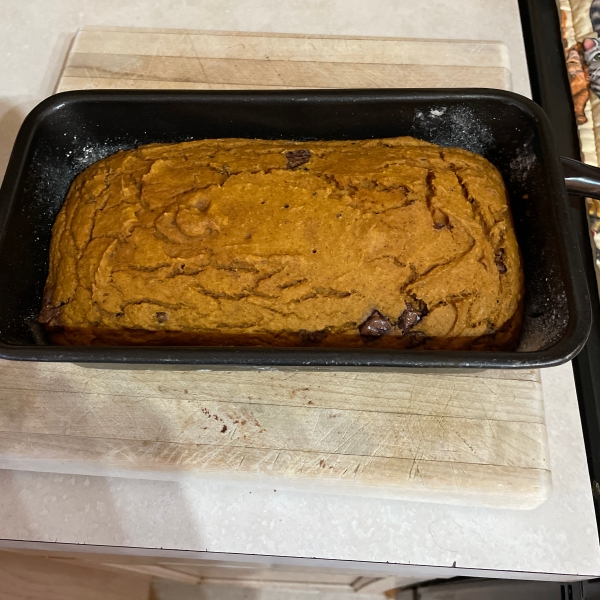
column 273, row 73
column 114, row 58
column 33, row 578
column 450, row 438
column 291, row 47
column 475, row 438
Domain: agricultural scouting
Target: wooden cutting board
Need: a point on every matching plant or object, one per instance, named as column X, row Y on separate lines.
column 476, row 438
column 124, row 58
column 461, row 438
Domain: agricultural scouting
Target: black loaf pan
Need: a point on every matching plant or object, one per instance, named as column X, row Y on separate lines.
column 68, row 132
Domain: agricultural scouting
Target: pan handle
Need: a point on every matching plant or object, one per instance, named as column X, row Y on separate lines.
column 581, row 178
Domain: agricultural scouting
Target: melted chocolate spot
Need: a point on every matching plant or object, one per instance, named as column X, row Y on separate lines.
column 440, row 220
column 499, row 260
column 202, row 204
column 416, row 339
column 415, row 310
column 315, row 337
column 50, row 315
column 297, row 158
column 375, row 326
column 162, row 317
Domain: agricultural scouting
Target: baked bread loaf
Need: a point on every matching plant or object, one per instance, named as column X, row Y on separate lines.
column 392, row 243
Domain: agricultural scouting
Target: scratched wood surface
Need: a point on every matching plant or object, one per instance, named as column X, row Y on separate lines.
column 476, row 438
column 460, row 438
column 116, row 58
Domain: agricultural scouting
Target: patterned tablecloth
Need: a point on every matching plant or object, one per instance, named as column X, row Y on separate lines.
column 580, row 24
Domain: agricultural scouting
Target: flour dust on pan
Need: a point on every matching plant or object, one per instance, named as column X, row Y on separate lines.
column 453, row 126
column 522, row 163
column 53, row 171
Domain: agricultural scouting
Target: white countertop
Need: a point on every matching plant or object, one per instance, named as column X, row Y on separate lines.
column 556, row 540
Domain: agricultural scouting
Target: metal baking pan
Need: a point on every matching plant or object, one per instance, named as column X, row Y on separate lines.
column 68, row 132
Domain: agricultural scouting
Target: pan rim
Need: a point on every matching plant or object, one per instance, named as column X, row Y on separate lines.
column 566, row 348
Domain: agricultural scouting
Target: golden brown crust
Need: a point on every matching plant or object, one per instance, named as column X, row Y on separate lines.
column 391, row 243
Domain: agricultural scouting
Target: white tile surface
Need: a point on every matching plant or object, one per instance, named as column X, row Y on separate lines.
column 558, row 537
